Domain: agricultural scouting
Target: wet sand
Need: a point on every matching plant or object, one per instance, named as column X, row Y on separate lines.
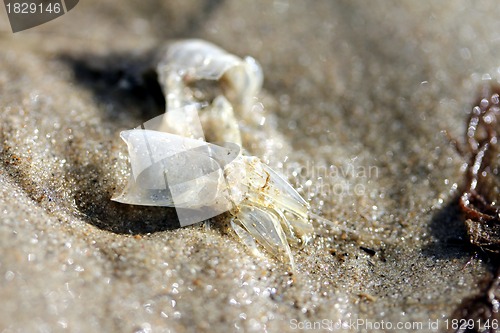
column 357, row 96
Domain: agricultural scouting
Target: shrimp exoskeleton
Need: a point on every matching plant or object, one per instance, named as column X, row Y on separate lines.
column 176, row 162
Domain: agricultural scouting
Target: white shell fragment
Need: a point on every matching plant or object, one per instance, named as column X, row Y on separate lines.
column 190, row 158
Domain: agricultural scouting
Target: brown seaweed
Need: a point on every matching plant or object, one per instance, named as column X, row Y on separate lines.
column 480, row 200
column 480, row 206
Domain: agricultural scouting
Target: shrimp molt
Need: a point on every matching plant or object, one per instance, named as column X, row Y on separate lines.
column 191, row 157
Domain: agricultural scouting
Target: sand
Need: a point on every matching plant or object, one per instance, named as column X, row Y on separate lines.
column 357, row 95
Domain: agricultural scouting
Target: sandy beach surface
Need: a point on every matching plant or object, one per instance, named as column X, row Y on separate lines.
column 358, row 96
